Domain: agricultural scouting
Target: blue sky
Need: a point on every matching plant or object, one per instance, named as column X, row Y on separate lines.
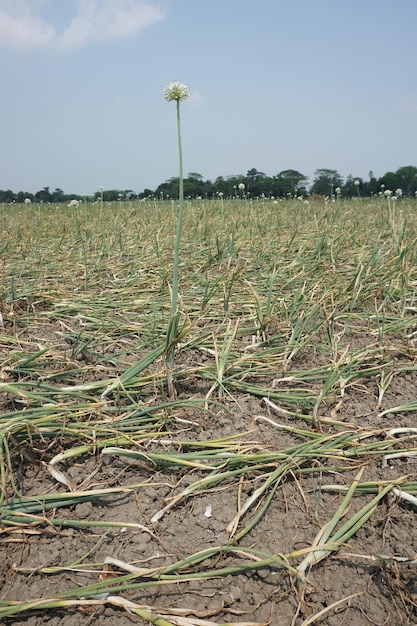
column 275, row 85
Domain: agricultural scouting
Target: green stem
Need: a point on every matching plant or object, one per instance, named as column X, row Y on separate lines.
column 174, row 302
column 173, row 320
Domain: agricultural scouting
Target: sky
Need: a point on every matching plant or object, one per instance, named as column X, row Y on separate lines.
column 274, row 84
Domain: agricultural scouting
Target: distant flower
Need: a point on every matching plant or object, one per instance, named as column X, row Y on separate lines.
column 357, row 183
column 338, row 190
column 176, row 91
column 241, row 186
column 387, row 193
column 73, row 203
column 399, row 192
column 28, row 201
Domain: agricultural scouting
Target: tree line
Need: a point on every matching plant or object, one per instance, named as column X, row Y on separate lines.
column 255, row 184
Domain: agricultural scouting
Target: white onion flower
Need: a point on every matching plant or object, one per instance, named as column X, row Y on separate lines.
column 387, row 193
column 176, row 91
column 241, row 186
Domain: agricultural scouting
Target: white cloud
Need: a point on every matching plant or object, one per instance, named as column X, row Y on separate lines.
column 195, row 99
column 408, row 103
column 23, row 24
column 24, row 31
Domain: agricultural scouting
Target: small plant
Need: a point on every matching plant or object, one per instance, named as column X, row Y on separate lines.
column 222, row 356
column 357, row 185
column 264, row 309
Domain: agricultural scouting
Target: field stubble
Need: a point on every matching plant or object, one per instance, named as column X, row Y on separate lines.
column 279, row 485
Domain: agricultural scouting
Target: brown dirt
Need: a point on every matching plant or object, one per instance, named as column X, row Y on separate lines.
column 364, row 589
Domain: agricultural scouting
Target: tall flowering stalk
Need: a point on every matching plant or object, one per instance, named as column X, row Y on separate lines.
column 175, row 92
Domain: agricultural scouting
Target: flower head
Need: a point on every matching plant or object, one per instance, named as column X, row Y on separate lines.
column 241, row 186
column 176, row 91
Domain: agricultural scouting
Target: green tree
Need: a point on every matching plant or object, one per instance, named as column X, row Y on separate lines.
column 194, row 185
column 289, row 182
column 325, row 182
column 228, row 185
column 354, row 186
column 390, row 181
column 109, row 195
column 253, row 174
column 7, row 195
column 256, row 182
column 169, row 189
column 407, row 179
column 220, row 186
column 44, row 195
column 58, row 195
column 371, row 187
column 146, row 193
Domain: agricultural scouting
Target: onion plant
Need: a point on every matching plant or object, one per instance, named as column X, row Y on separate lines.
column 175, row 92
column 311, row 321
